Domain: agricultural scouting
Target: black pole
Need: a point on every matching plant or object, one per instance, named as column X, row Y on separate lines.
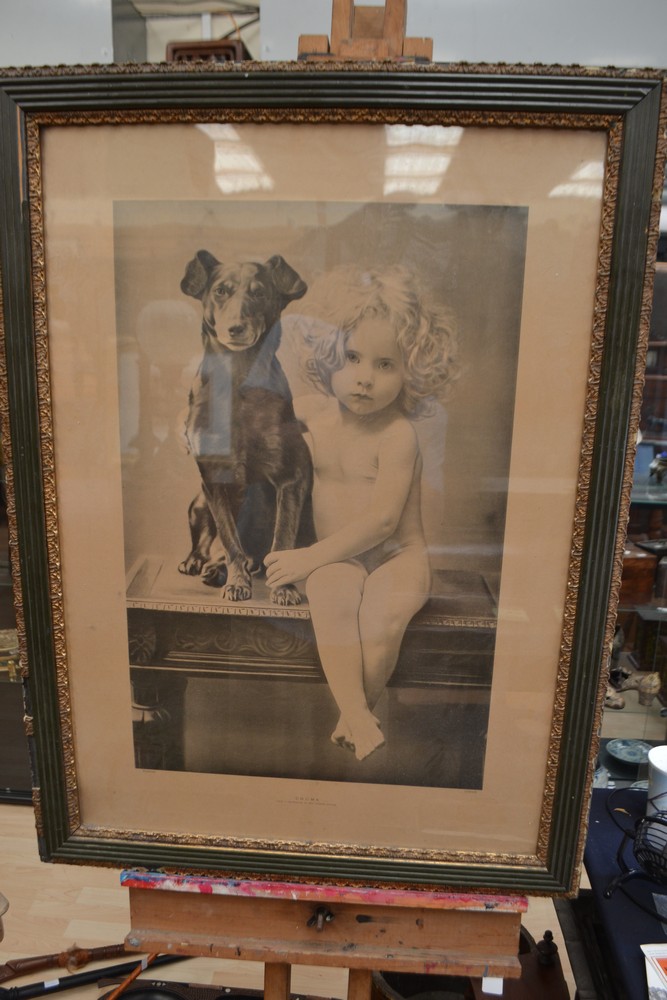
column 81, row 979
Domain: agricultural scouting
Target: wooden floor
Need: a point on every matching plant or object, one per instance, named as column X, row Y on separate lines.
column 52, row 907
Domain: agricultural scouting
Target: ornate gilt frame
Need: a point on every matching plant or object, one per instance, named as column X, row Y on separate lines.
column 629, row 108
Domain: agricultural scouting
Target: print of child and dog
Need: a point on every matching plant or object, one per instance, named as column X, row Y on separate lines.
column 317, row 437
column 339, row 468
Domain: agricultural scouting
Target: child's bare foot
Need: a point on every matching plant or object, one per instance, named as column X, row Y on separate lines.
column 342, row 734
column 366, row 736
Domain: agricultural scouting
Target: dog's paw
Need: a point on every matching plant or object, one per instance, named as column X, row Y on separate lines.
column 286, row 596
column 193, row 565
column 215, row 574
column 236, row 592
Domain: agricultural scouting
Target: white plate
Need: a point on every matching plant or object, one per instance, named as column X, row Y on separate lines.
column 629, row 751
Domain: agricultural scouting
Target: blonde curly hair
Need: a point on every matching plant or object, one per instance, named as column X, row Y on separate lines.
column 425, row 335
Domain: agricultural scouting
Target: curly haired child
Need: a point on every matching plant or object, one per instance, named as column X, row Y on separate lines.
column 380, row 358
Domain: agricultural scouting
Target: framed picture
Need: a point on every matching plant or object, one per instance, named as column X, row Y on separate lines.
column 320, row 387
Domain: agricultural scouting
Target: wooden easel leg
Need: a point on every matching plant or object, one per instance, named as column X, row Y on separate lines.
column 359, row 985
column 342, row 22
column 277, row 980
column 395, row 21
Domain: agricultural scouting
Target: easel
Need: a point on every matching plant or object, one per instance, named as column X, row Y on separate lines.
column 364, row 930
column 361, row 33
column 361, row 929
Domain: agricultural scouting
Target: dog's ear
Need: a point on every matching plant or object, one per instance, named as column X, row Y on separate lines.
column 286, row 280
column 197, row 274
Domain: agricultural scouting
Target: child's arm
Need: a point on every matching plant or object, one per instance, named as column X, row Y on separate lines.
column 397, row 454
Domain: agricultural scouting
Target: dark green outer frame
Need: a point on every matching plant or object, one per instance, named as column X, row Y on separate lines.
column 514, row 96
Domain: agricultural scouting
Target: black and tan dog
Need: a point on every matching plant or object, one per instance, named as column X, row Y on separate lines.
column 254, row 464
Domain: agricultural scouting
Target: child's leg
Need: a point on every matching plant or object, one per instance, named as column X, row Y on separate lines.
column 334, row 595
column 393, row 594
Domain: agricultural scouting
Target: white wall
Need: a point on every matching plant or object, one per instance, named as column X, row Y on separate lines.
column 592, row 32
column 588, row 32
column 49, row 32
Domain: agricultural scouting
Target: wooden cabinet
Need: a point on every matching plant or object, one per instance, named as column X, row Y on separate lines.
column 653, row 420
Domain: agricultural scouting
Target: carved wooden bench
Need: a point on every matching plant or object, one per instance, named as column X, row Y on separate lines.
column 180, row 634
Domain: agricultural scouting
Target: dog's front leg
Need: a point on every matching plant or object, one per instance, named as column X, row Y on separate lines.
column 223, row 501
column 202, row 536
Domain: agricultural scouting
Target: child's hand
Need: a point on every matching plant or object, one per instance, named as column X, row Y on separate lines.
column 288, row 566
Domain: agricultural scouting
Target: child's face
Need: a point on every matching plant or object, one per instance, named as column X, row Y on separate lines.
column 373, row 374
